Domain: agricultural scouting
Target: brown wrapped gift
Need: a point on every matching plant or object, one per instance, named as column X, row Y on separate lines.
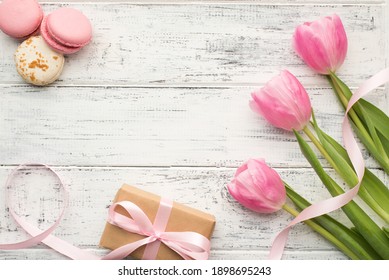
column 182, row 218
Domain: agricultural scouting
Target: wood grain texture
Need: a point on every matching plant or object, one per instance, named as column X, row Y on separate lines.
column 116, row 126
column 43, row 254
column 207, row 44
column 160, row 100
column 37, row 198
column 263, row 2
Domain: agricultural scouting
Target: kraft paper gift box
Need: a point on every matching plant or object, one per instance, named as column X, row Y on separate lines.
column 182, row 218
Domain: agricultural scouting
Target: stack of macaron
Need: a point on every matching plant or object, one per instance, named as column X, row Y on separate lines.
column 40, row 57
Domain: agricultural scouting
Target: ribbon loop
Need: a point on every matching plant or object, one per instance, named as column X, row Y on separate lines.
column 37, row 234
column 353, row 151
column 189, row 245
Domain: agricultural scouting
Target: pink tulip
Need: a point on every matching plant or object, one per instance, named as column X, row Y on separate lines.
column 258, row 187
column 283, row 102
column 322, row 44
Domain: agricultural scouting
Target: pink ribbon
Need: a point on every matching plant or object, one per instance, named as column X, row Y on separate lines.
column 189, row 245
column 39, row 235
column 334, row 203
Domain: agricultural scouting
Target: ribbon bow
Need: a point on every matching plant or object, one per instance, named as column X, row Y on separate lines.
column 189, row 245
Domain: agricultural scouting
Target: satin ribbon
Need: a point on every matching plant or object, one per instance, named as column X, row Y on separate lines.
column 37, row 234
column 353, row 151
column 189, row 245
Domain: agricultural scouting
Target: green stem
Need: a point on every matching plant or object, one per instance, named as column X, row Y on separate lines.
column 372, row 190
column 369, row 199
column 363, row 223
column 323, row 232
column 348, row 237
column 320, row 147
column 354, row 114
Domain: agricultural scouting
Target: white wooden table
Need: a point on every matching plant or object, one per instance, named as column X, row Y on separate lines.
column 159, row 100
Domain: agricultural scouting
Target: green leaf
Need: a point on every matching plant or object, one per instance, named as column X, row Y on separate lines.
column 373, row 133
column 312, row 159
column 378, row 192
column 370, row 146
column 343, row 167
column 341, row 90
column 373, row 191
column 364, row 224
column 378, row 118
column 385, row 143
column 352, row 240
column 343, row 93
column 339, row 148
column 368, row 120
column 386, row 230
column 323, row 232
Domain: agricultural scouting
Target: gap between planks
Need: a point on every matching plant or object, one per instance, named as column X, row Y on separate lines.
column 178, row 167
column 178, row 86
column 225, row 2
column 45, row 254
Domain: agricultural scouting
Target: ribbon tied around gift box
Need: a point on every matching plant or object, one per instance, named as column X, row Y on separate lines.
column 189, row 245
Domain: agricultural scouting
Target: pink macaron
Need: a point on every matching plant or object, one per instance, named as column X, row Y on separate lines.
column 20, row 18
column 66, row 30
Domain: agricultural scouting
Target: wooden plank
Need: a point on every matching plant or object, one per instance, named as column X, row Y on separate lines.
column 167, row 85
column 47, row 254
column 36, row 197
column 262, row 2
column 212, row 44
column 288, row 255
column 111, row 126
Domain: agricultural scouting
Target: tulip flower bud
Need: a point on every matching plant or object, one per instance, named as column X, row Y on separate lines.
column 322, row 44
column 258, row 187
column 283, row 102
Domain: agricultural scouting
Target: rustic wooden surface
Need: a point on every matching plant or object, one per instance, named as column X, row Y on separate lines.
column 159, row 100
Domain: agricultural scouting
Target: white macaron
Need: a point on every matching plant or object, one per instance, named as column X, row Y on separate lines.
column 37, row 63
